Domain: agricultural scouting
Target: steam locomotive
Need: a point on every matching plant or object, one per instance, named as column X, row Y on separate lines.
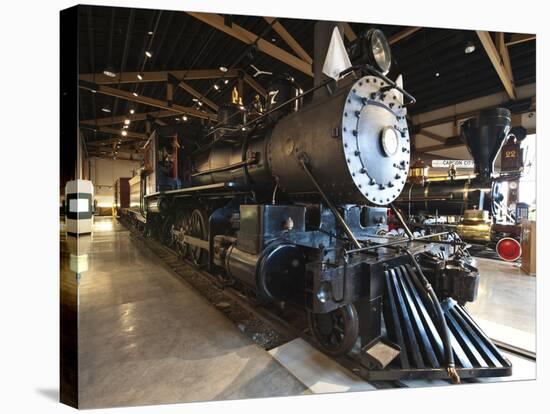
column 287, row 202
column 478, row 200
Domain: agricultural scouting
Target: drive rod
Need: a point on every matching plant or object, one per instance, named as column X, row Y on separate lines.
column 393, row 243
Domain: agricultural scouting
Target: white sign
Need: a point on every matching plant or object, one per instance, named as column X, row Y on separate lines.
column 78, row 205
column 457, row 163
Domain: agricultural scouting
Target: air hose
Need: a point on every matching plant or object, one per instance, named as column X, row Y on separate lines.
column 445, row 333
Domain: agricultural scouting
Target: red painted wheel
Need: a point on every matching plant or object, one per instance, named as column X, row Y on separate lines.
column 508, row 249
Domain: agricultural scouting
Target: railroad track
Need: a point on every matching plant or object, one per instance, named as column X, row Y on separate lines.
column 271, row 326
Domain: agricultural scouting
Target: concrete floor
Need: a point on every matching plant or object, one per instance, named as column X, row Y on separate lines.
column 506, row 295
column 145, row 337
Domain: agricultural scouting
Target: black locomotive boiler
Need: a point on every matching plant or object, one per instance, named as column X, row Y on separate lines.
column 287, row 204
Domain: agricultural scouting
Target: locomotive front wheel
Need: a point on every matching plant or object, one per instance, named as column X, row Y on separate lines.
column 337, row 331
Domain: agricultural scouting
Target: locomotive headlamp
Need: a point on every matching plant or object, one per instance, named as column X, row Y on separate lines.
column 379, row 50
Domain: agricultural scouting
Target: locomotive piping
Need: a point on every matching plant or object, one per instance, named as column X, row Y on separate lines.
column 444, row 329
column 341, row 221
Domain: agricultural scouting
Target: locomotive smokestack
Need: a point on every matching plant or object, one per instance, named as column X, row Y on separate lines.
column 322, row 33
column 484, row 135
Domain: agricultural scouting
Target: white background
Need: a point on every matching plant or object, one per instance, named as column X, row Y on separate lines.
column 29, row 135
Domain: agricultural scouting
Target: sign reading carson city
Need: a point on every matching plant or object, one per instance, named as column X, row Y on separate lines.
column 448, row 163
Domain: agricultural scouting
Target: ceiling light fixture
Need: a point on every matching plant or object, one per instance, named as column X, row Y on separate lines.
column 140, row 76
column 110, row 72
column 132, row 111
column 184, row 117
column 135, row 93
column 437, row 74
column 150, row 33
column 124, row 133
column 149, row 54
column 126, row 121
column 226, row 81
column 470, row 47
column 106, row 110
column 223, row 69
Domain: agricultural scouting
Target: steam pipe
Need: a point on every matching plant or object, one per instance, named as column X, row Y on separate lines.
column 444, row 329
column 332, row 208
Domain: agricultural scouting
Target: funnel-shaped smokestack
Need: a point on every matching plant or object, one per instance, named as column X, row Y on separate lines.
column 484, row 135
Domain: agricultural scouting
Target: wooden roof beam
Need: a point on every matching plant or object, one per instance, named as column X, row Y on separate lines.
column 188, row 88
column 505, row 56
column 158, row 76
column 439, row 147
column 497, row 61
column 254, row 84
column 113, row 120
column 518, row 38
column 249, row 38
column 289, row 40
column 403, row 34
column 348, row 32
column 431, row 135
column 117, row 132
column 157, row 103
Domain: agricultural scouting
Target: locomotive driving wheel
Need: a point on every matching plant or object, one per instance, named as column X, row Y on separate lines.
column 180, row 225
column 337, row 331
column 197, row 227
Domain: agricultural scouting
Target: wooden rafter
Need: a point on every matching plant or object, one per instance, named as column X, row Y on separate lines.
column 497, row 61
column 158, row 76
column 249, row 38
column 432, row 135
column 289, row 40
column 349, row 33
column 520, row 38
column 439, row 147
column 117, row 132
column 188, row 88
column 95, row 144
column 254, row 84
column 464, row 115
column 113, row 120
column 157, row 103
column 505, row 56
column 403, row 34
column 516, row 121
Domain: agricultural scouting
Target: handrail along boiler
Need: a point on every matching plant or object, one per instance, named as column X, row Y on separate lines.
column 286, row 203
